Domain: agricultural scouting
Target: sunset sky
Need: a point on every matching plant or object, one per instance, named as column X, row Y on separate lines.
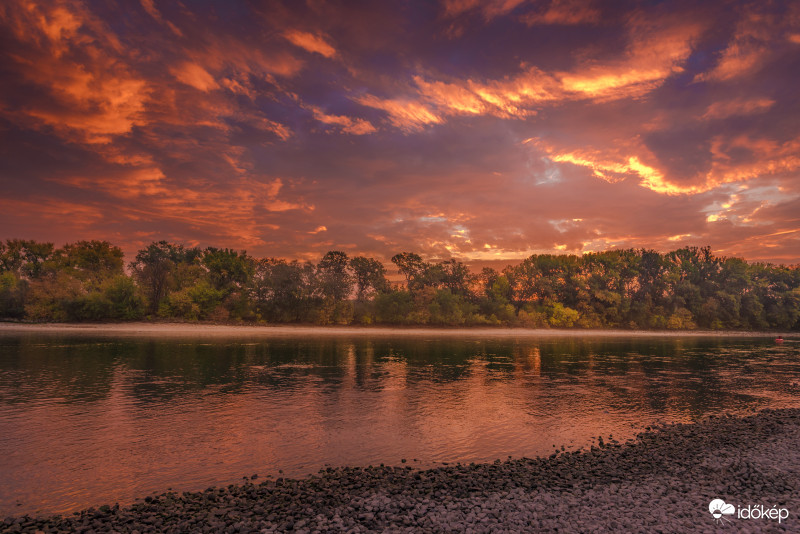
column 480, row 130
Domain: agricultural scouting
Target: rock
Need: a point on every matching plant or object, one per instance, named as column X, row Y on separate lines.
column 657, row 482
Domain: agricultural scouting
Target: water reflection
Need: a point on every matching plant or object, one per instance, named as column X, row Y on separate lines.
column 86, row 421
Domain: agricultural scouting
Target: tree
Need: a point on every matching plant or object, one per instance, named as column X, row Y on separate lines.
column 91, row 261
column 228, row 270
column 155, row 266
column 25, row 259
column 124, row 299
column 456, row 277
column 412, row 267
column 333, row 275
column 394, row 307
column 370, row 276
column 495, row 303
column 12, row 296
column 283, row 291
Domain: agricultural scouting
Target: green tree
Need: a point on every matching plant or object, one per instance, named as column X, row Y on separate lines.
column 394, row 307
column 12, row 296
column 91, row 261
column 369, row 275
column 25, row 259
column 456, row 277
column 228, row 270
column 283, row 291
column 412, row 267
column 333, row 276
column 154, row 268
column 495, row 303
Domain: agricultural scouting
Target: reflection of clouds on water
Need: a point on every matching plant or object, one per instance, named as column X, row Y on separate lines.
column 206, row 413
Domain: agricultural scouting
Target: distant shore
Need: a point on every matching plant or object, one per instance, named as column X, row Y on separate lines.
column 168, row 329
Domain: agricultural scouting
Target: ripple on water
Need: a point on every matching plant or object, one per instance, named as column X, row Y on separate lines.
column 86, row 423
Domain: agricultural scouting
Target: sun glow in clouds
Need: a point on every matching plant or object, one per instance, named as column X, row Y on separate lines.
column 511, row 114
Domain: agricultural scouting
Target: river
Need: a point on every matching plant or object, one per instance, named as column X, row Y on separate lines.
column 88, row 420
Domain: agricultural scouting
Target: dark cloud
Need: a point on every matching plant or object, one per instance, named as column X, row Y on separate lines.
column 481, row 130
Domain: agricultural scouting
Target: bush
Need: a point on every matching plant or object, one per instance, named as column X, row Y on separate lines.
column 394, row 307
column 124, row 299
column 530, row 317
column 12, row 296
column 446, row 308
column 681, row 320
column 560, row 316
column 54, row 298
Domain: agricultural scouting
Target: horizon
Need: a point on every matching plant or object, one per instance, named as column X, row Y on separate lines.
column 482, row 132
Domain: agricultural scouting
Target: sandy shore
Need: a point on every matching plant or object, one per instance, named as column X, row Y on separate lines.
column 667, row 480
column 141, row 329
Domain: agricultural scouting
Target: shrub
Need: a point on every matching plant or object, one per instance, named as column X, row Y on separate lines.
column 12, row 296
column 561, row 316
column 681, row 319
column 125, row 302
column 393, row 307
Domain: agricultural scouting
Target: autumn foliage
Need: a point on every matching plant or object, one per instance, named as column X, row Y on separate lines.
column 684, row 289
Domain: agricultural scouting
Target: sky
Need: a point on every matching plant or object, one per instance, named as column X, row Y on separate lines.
column 484, row 131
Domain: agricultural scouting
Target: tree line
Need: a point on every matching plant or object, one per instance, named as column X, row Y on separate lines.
column 687, row 288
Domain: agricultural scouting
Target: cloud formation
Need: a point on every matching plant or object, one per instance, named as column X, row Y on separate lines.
column 484, row 131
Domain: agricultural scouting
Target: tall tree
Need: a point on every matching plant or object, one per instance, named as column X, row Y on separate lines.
column 92, row 261
column 283, row 291
column 334, row 276
column 411, row 266
column 26, row 259
column 155, row 266
column 228, row 270
column 456, row 277
column 370, row 276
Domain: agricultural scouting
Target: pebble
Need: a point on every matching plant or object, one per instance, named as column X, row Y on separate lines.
column 661, row 481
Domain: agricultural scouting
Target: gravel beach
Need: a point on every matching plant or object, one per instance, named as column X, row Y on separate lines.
column 661, row 482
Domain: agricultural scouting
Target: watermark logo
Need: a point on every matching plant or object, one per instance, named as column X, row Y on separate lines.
column 719, row 509
column 723, row 512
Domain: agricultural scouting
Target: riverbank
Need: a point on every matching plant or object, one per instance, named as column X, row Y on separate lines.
column 662, row 482
column 167, row 329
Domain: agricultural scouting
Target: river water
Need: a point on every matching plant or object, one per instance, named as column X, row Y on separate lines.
column 86, row 421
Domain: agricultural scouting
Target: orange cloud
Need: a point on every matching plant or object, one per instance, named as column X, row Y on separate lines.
column 457, row 98
column 613, row 171
column 53, row 212
column 564, row 12
column 740, row 106
column 310, row 43
column 747, row 50
column 406, row 115
column 225, row 52
column 732, row 160
column 655, row 52
column 182, row 138
column 194, row 75
column 737, row 60
column 743, row 158
column 235, row 211
column 152, row 10
column 507, row 98
column 347, row 124
column 239, row 86
column 92, row 99
column 489, row 8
